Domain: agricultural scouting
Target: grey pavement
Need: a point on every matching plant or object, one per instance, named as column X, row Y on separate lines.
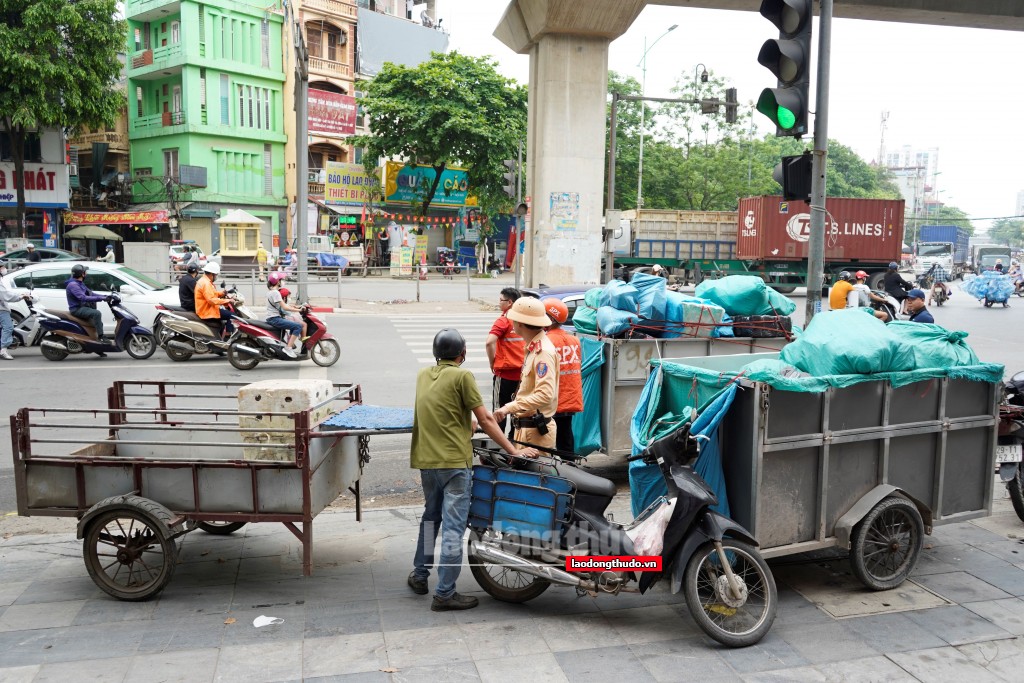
column 960, row 617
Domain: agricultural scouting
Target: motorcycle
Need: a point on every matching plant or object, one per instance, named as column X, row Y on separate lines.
column 27, row 330
column 182, row 334
column 64, row 334
column 257, row 341
column 890, row 305
column 939, row 293
column 1010, row 442
column 729, row 590
column 447, row 264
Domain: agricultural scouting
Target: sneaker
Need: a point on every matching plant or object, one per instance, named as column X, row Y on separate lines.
column 7, row 356
column 418, row 585
column 456, row 601
column 290, row 352
column 303, row 339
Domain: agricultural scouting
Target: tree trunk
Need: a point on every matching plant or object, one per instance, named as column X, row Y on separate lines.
column 438, row 170
column 17, row 134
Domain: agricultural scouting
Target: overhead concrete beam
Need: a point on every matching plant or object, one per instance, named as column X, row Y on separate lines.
column 526, row 21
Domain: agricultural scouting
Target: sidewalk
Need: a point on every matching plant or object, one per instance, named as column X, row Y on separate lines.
column 961, row 618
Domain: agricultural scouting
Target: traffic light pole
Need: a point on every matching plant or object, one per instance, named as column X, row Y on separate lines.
column 816, row 241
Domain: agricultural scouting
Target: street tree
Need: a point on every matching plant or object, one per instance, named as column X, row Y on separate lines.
column 1009, row 231
column 451, row 111
column 58, row 69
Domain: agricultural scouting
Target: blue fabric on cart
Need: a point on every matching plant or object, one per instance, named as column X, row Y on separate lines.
column 362, row 416
column 325, row 260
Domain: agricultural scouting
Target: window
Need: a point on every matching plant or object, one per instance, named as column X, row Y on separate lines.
column 313, row 41
column 138, row 39
column 99, row 281
column 268, row 172
column 175, row 32
column 265, row 43
column 202, row 88
column 170, row 163
column 241, row 106
column 231, row 239
column 248, row 90
column 223, row 37
column 224, row 99
column 43, row 279
column 146, row 30
column 332, row 46
column 259, row 109
column 143, row 172
column 138, row 101
column 266, row 107
column 33, row 147
column 176, row 99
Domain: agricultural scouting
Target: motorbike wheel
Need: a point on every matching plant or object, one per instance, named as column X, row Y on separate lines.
column 731, row 621
column 1016, row 488
column 886, row 544
column 240, row 360
column 140, row 346
column 457, row 269
column 50, row 353
column 988, row 304
column 326, row 352
column 502, row 583
column 177, row 354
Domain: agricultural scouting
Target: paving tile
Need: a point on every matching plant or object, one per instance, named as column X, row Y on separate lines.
column 11, row 590
column 942, row 665
column 794, row 608
column 963, row 557
column 328, row 618
column 602, row 664
column 107, row 610
column 773, row 652
column 867, row 670
column 268, row 594
column 665, row 660
column 961, row 587
column 463, row 672
column 215, row 572
column 20, row 617
column 487, row 640
column 833, row 588
column 107, row 670
column 242, row 631
column 180, row 601
column 1006, row 614
column 365, row 677
column 181, row 666
column 65, row 568
column 19, row 674
column 260, row 663
column 60, row 590
column 957, row 625
column 648, row 624
column 577, row 631
column 963, row 532
column 87, row 642
column 1008, row 578
column 1009, row 549
column 345, row 654
column 541, row 667
column 799, row 674
column 893, row 633
column 1003, row 658
column 426, row 646
column 412, row 612
column 820, row 643
column 193, row 633
column 559, row 601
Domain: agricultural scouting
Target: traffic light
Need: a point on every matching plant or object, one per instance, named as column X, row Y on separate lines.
column 789, row 58
column 732, row 105
column 511, row 185
column 794, row 175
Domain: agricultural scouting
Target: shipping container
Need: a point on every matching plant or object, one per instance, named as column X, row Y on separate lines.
column 954, row 234
column 856, row 230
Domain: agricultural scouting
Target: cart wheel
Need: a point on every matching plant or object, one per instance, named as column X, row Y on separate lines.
column 887, row 543
column 220, row 528
column 241, row 360
column 1016, row 488
column 126, row 552
column 502, row 583
column 140, row 346
column 326, row 352
column 50, row 353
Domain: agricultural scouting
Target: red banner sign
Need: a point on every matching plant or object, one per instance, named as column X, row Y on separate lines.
column 331, row 113
column 113, row 217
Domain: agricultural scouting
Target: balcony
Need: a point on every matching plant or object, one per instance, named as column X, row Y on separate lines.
column 332, row 7
column 156, row 122
column 157, row 62
column 151, row 10
column 326, row 67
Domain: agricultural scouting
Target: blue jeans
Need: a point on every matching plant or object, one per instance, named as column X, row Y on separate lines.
column 285, row 324
column 447, row 493
column 6, row 329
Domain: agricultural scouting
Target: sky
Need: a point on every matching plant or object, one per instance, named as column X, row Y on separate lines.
column 933, row 82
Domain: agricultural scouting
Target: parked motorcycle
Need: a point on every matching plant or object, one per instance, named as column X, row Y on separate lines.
column 447, row 263
column 64, row 334
column 182, row 334
column 1010, row 442
column 257, row 341
column 728, row 587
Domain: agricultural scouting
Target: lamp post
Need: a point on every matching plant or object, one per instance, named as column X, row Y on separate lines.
column 643, row 109
column 703, row 78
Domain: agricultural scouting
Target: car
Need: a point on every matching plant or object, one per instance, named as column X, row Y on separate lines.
column 571, row 296
column 177, row 252
column 139, row 293
column 19, row 257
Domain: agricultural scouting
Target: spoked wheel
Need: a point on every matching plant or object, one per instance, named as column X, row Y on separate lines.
column 1016, row 488
column 50, row 353
column 736, row 620
column 220, row 528
column 502, row 583
column 326, row 352
column 128, row 555
column 140, row 346
column 886, row 544
column 241, row 360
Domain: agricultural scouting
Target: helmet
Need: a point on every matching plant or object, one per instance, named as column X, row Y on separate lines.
column 845, row 275
column 893, row 265
column 861, row 275
column 110, row 247
column 212, row 267
column 192, row 268
column 78, row 270
column 448, row 344
column 274, row 278
column 556, row 309
column 30, row 246
column 285, row 293
column 529, row 311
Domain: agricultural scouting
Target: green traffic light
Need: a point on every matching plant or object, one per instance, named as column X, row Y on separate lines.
column 786, row 118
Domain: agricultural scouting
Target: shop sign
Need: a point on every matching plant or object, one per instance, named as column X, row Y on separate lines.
column 331, row 113
column 46, row 185
column 407, row 184
column 113, row 217
column 348, row 184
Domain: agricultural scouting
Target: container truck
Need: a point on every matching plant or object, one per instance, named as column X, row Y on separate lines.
column 943, row 245
column 768, row 237
column 985, row 256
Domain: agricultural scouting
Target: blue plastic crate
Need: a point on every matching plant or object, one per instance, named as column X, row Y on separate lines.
column 521, row 503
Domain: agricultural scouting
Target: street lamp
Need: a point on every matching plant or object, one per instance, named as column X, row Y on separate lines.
column 643, row 109
column 703, row 78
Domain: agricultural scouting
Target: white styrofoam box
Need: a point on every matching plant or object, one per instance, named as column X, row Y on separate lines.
column 279, row 396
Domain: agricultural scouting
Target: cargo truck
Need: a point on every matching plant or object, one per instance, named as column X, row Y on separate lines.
column 943, row 245
column 985, row 256
column 768, row 237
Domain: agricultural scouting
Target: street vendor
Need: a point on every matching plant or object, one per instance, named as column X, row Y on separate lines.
column 536, row 401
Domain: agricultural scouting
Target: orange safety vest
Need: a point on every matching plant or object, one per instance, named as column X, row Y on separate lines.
column 508, row 353
column 570, row 383
column 207, row 301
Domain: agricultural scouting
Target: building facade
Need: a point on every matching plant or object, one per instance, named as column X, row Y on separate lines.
column 206, row 112
column 45, row 181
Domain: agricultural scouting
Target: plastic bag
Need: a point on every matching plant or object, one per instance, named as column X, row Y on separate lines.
column 650, row 295
column 778, row 303
column 618, row 294
column 847, row 342
column 737, row 294
column 649, row 535
column 613, row 320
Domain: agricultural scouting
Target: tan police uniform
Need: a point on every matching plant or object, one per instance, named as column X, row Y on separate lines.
column 538, row 390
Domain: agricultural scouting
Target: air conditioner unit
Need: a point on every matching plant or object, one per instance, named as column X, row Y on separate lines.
column 74, row 169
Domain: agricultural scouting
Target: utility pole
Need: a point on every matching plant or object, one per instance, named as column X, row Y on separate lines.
column 816, row 241
column 302, row 149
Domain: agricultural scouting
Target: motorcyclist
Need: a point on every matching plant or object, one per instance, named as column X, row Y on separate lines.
column 107, row 257
column 861, row 296
column 1016, row 275
column 939, row 278
column 895, row 286
column 82, row 300
column 210, row 301
column 837, row 296
column 187, row 288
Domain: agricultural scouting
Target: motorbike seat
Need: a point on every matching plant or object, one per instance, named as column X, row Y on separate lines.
column 65, row 315
column 178, row 310
column 262, row 325
column 585, row 481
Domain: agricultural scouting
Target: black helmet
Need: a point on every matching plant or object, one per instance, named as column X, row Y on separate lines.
column 845, row 275
column 448, row 344
column 192, row 268
column 78, row 270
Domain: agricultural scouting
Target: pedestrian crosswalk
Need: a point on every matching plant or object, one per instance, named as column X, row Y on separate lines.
column 418, row 334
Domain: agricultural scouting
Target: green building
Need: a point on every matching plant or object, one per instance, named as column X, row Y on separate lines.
column 206, row 110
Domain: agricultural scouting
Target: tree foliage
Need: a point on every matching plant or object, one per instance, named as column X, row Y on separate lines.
column 1009, row 231
column 453, row 110
column 58, row 69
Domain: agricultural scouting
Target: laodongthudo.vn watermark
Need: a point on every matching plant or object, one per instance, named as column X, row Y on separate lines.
column 614, row 563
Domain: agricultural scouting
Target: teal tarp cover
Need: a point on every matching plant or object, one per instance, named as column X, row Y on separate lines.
column 935, row 346
column 586, row 425
column 584, row 319
column 651, row 295
column 848, row 342
column 745, row 295
column 618, row 294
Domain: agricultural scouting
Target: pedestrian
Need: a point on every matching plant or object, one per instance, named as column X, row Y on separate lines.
column 837, row 296
column 187, row 288
column 916, row 307
column 33, row 255
column 570, row 384
column 536, row 399
column 210, row 301
column 504, row 353
column 261, row 259
column 7, row 296
column 82, row 301
column 108, row 255
column 446, row 406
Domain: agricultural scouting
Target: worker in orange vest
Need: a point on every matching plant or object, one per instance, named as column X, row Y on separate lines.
column 505, row 354
column 570, row 383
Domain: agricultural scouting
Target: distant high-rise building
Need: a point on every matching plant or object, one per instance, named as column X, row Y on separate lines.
column 1019, row 208
column 915, row 171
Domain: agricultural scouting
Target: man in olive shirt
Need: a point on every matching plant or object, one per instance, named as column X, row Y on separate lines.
column 447, row 401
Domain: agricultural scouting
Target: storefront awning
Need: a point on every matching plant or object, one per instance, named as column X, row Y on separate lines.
column 340, row 210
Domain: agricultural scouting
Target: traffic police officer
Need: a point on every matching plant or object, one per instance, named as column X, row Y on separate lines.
column 536, row 401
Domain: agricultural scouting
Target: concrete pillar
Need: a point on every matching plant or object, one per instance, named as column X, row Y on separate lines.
column 568, row 48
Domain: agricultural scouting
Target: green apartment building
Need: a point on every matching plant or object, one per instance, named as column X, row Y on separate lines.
column 206, row 111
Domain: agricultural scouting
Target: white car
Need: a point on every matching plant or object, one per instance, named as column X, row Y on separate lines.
column 139, row 293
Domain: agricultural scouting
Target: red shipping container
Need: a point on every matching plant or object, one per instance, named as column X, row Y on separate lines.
column 868, row 230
